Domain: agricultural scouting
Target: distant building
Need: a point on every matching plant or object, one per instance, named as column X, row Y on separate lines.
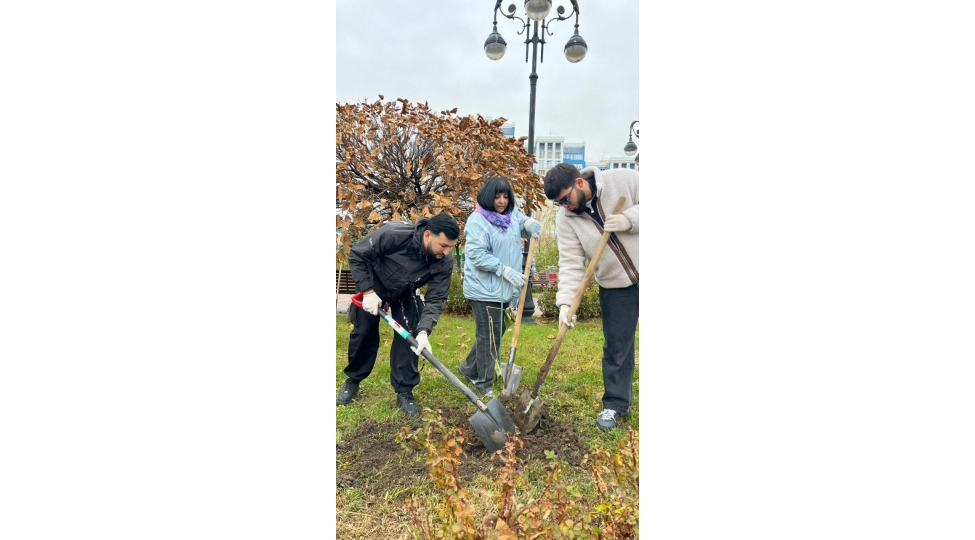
column 552, row 149
column 621, row 162
column 548, row 152
column 508, row 129
column 575, row 153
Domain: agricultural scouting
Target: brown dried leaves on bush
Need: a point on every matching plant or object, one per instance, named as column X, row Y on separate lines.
column 395, row 160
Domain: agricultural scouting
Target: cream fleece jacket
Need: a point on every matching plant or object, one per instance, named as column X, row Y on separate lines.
column 578, row 234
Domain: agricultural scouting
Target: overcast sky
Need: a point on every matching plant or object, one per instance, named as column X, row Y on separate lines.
column 433, row 51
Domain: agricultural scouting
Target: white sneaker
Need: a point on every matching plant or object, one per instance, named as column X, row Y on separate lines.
column 606, row 420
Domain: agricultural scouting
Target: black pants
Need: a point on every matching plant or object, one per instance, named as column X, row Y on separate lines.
column 621, row 309
column 480, row 362
column 364, row 344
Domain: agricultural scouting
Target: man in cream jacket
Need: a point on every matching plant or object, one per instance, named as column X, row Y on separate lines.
column 587, row 198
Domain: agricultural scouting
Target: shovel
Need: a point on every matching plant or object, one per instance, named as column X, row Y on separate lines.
column 512, row 372
column 530, row 407
column 491, row 423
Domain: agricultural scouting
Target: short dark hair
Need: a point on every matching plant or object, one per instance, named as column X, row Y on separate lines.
column 495, row 185
column 559, row 177
column 444, row 223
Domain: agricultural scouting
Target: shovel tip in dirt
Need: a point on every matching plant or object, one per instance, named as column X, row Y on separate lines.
column 529, row 412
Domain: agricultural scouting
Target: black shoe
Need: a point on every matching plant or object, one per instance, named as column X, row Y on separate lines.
column 607, row 419
column 348, row 391
column 407, row 403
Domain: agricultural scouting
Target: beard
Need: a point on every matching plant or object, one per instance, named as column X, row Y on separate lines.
column 577, row 198
column 429, row 251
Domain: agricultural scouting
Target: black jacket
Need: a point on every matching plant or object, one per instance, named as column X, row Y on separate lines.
column 392, row 262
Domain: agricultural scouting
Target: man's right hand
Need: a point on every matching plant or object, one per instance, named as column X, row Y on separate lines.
column 515, row 277
column 422, row 342
column 371, row 303
column 564, row 317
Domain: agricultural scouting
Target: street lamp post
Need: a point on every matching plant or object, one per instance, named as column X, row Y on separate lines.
column 575, row 50
column 631, row 147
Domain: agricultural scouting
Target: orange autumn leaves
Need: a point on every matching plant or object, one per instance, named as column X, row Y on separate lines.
column 397, row 160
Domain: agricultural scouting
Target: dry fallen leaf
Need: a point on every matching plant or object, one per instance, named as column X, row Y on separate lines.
column 550, row 336
column 504, row 532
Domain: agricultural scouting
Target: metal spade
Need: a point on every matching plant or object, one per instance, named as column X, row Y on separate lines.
column 531, row 408
column 512, row 371
column 491, row 423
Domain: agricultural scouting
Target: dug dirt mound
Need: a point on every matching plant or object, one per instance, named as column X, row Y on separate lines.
column 370, row 458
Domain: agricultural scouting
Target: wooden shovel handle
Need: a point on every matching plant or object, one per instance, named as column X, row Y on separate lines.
column 524, row 290
column 583, row 285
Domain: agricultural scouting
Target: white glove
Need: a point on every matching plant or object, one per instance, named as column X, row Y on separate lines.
column 371, row 303
column 515, row 277
column 617, row 223
column 564, row 317
column 422, row 342
column 533, row 227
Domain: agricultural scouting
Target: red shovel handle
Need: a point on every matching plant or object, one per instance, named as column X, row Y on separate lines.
column 357, row 299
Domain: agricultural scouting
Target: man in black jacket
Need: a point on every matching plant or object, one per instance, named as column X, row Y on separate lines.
column 390, row 266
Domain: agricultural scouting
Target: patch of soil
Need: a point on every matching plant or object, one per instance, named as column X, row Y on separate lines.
column 372, row 460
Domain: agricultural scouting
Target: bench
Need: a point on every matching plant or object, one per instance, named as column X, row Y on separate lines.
column 547, row 277
column 545, row 281
column 344, row 283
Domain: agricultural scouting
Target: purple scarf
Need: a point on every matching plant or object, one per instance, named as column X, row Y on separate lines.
column 501, row 220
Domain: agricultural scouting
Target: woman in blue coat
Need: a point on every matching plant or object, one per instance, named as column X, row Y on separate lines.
column 492, row 274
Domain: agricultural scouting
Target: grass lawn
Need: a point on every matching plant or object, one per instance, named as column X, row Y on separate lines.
column 572, row 392
column 573, row 389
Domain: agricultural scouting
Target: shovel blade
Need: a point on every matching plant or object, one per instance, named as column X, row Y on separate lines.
column 488, row 432
column 529, row 412
column 494, row 426
column 500, row 415
column 512, row 380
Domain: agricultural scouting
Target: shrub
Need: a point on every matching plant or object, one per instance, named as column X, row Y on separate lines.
column 617, row 478
column 557, row 512
column 449, row 517
column 456, row 303
column 588, row 308
column 547, row 255
column 547, row 251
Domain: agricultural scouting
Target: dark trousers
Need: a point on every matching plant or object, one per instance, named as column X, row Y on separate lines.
column 621, row 310
column 479, row 365
column 364, row 344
